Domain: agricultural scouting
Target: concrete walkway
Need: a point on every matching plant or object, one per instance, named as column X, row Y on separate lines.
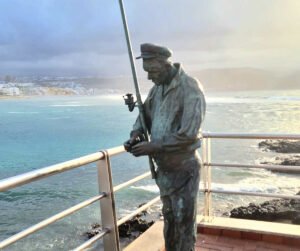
column 226, row 234
column 151, row 240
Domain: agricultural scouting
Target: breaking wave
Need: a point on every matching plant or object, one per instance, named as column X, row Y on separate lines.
column 286, row 185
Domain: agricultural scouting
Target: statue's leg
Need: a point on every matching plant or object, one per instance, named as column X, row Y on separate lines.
column 179, row 189
column 169, row 230
column 185, row 208
column 179, row 211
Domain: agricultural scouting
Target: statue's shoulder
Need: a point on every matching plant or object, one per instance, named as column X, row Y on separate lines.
column 190, row 83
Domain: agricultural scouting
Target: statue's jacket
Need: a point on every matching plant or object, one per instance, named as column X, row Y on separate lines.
column 174, row 114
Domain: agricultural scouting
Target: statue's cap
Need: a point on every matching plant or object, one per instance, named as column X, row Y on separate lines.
column 152, row 50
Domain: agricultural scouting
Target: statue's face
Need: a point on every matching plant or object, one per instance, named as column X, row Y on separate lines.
column 157, row 70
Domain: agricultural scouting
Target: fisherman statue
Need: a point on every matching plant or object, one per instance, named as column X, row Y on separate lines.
column 174, row 111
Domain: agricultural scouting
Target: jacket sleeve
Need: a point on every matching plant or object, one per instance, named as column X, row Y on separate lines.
column 188, row 134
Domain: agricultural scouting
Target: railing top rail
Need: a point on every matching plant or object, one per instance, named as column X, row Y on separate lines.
column 38, row 174
column 250, row 136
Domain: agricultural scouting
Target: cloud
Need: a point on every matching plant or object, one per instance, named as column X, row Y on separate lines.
column 76, row 36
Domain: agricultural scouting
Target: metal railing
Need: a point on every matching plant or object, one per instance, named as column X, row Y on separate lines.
column 106, row 190
column 109, row 220
column 207, row 165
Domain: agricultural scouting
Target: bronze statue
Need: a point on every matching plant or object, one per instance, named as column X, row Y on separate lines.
column 174, row 111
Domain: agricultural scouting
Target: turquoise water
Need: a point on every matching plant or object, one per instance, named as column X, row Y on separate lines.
column 39, row 132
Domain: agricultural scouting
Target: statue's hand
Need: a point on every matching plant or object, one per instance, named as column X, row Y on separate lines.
column 135, row 138
column 127, row 145
column 145, row 148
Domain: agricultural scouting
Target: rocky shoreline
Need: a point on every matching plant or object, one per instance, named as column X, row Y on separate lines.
column 290, row 153
column 129, row 230
column 278, row 210
column 280, row 146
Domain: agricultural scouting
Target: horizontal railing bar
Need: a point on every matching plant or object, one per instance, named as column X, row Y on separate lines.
column 38, row 174
column 269, row 167
column 282, row 196
column 115, row 150
column 127, row 183
column 49, row 221
column 139, row 210
column 249, row 136
column 92, row 240
column 25, row 178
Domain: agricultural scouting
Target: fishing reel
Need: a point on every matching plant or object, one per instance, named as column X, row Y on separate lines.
column 137, row 140
column 129, row 101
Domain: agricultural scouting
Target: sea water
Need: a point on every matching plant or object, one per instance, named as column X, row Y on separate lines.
column 38, row 132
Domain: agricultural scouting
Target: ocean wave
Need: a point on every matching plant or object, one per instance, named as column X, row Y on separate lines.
column 23, row 112
column 284, row 98
column 57, row 118
column 219, row 186
column 249, row 100
column 148, row 188
column 70, row 105
column 246, row 187
column 284, row 185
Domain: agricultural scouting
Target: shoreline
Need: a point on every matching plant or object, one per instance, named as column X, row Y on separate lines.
column 13, row 97
column 275, row 210
column 2, row 97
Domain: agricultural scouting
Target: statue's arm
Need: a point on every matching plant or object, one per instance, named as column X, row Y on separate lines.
column 188, row 134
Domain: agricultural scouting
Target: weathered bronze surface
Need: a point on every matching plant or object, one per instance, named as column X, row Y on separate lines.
column 174, row 109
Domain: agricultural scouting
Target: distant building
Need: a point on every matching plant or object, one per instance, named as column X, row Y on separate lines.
column 9, row 90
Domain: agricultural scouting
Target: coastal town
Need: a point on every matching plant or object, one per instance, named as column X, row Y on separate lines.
column 15, row 88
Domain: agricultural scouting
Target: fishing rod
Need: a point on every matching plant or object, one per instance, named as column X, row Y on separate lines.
column 136, row 86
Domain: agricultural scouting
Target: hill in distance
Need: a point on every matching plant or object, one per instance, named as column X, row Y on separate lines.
column 226, row 79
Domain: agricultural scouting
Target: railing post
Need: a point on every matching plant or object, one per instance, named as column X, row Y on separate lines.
column 206, row 173
column 107, row 205
column 209, row 179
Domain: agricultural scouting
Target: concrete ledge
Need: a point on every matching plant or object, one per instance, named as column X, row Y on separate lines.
column 277, row 233
column 251, row 230
column 151, row 240
column 280, row 229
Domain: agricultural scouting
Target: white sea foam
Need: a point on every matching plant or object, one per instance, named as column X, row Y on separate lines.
column 284, row 98
column 286, row 185
column 148, row 188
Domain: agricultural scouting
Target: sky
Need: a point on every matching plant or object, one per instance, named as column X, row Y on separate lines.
column 86, row 38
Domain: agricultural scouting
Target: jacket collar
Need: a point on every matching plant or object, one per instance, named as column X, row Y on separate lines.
column 175, row 81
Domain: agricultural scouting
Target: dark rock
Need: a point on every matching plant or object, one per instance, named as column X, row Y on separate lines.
column 296, row 219
column 293, row 160
column 134, row 225
column 96, row 229
column 281, row 146
column 278, row 210
column 145, row 212
column 226, row 214
column 130, row 229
